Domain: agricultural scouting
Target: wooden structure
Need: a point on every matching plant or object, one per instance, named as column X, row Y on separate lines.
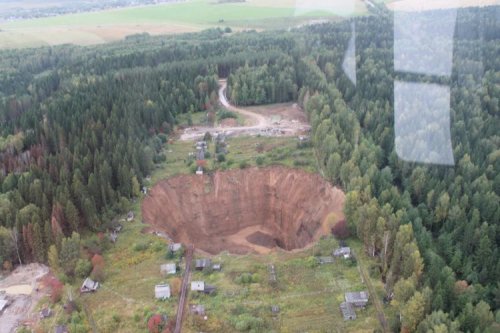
column 326, row 260
column 347, row 311
column 162, row 291
column 342, row 252
column 168, row 269
column 358, row 299
column 89, row 285
column 201, row 264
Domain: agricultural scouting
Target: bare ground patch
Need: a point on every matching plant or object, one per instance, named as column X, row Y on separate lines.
column 23, row 291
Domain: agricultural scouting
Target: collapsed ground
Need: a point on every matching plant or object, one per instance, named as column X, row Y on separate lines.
column 244, row 210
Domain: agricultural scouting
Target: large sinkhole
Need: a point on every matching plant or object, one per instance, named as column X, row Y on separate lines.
column 241, row 211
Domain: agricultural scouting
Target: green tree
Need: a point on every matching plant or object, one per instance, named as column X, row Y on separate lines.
column 70, row 253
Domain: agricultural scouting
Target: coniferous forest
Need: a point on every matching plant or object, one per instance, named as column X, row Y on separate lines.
column 82, row 127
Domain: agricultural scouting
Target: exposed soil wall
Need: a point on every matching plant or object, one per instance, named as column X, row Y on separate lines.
column 241, row 211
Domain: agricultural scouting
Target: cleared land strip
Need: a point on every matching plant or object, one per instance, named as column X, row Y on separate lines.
column 185, row 282
column 376, row 301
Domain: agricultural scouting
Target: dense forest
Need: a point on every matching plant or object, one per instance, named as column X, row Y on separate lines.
column 80, row 129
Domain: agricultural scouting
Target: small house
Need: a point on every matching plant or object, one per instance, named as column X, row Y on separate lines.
column 325, row 260
column 201, row 264
column 201, row 286
column 89, row 286
column 347, row 311
column 209, row 290
column 201, row 145
column 45, row 313
column 130, row 216
column 217, row 267
column 342, row 252
column 275, row 309
column 358, row 299
column 174, row 247
column 167, row 269
column 197, row 285
column 199, row 171
column 162, row 291
column 61, row 329
column 197, row 309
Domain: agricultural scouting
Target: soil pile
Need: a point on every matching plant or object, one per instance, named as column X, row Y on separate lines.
column 241, row 211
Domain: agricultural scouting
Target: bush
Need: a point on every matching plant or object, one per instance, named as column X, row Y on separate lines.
column 97, row 274
column 340, row 230
column 142, row 246
column 221, row 158
column 300, row 162
column 83, row 268
column 312, row 262
column 247, row 278
column 243, row 164
column 259, row 160
column 224, row 114
column 157, row 246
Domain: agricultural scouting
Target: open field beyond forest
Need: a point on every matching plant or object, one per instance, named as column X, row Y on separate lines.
column 192, row 15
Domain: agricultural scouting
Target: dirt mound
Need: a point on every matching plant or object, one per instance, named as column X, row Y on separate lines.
column 241, row 211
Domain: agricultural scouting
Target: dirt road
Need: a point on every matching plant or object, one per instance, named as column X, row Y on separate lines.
column 259, row 124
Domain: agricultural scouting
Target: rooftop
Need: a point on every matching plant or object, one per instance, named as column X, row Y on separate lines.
column 357, row 296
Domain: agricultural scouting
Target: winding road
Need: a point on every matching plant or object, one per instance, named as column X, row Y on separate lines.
column 260, row 124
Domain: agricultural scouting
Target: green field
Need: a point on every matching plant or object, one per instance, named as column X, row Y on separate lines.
column 193, row 15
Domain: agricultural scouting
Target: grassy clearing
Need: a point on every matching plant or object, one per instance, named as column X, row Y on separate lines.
column 265, row 151
column 242, row 152
column 308, row 295
column 194, row 15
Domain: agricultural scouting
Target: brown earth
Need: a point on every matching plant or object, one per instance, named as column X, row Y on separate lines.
column 241, row 211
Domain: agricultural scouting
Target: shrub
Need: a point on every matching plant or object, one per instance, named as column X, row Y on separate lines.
column 155, row 323
column 243, row 164
column 157, row 246
column 83, row 268
column 142, row 246
column 224, row 114
column 340, row 230
column 221, row 157
column 175, row 286
column 259, row 160
column 97, row 261
column 97, row 274
column 300, row 162
column 247, row 278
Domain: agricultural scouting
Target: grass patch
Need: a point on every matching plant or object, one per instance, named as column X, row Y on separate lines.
column 308, row 297
column 266, row 151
